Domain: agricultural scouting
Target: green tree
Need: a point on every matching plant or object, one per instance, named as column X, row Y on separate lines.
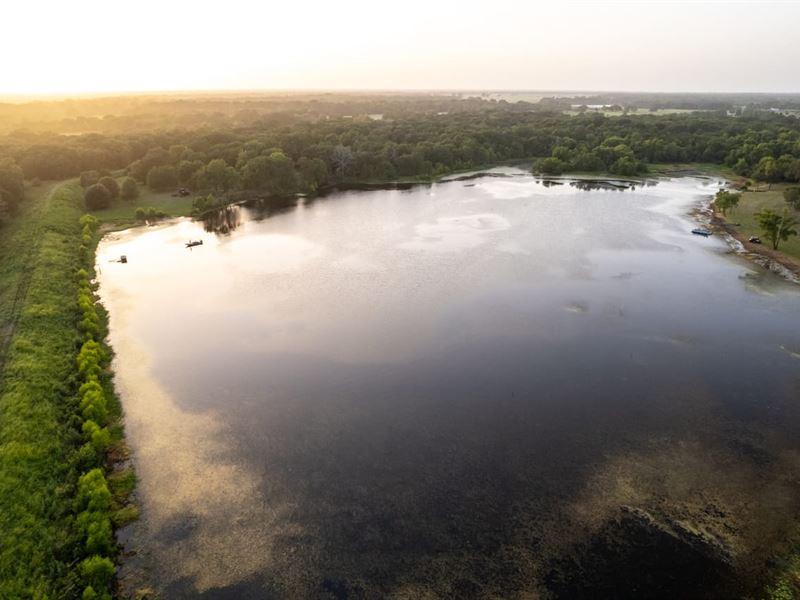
column 726, row 201
column 89, row 178
column 627, row 166
column 792, row 196
column 766, row 170
column 255, row 173
column 793, row 171
column 777, row 228
column 550, row 166
column 111, row 185
column 218, row 176
column 162, row 178
column 187, row 170
column 129, row 190
column 97, row 197
column 341, row 158
column 313, row 173
column 282, row 178
column 12, row 184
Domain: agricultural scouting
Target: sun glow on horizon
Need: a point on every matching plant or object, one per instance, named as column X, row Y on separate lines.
column 57, row 48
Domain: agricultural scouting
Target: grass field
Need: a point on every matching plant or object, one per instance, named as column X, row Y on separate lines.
column 751, row 203
column 41, row 544
column 685, row 168
column 122, row 212
column 17, row 243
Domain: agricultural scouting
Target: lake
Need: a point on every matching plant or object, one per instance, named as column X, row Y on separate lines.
column 487, row 387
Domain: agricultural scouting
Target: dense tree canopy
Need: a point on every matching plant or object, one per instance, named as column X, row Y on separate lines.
column 12, row 184
column 283, row 153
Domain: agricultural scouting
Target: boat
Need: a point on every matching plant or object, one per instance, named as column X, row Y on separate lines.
column 754, row 240
column 192, row 244
column 701, row 231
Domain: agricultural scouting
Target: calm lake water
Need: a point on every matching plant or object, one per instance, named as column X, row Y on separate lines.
column 452, row 391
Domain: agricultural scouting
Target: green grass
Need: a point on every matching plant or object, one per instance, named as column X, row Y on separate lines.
column 40, row 462
column 751, row 203
column 36, row 481
column 703, row 168
column 122, row 212
column 786, row 585
column 18, row 240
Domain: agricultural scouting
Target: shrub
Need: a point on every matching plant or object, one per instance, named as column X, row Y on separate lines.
column 93, row 494
column 91, row 222
column 550, row 166
column 129, row 190
column 97, row 570
column 97, row 197
column 792, row 196
column 111, row 185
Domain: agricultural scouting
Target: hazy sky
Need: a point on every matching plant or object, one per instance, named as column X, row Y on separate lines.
column 55, row 46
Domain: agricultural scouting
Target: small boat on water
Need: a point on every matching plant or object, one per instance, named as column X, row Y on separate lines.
column 192, row 244
column 701, row 231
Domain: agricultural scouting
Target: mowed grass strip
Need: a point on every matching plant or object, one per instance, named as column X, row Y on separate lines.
column 37, row 539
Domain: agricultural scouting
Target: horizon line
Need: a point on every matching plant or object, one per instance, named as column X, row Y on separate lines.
column 20, row 98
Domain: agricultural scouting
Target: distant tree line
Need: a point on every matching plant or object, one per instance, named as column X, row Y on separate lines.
column 301, row 156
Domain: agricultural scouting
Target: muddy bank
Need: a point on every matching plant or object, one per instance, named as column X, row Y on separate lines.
column 761, row 254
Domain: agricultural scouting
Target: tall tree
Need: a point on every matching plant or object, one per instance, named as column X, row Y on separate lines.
column 726, row 201
column 777, row 228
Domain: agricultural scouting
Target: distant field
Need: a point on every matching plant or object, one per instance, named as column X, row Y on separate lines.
column 639, row 111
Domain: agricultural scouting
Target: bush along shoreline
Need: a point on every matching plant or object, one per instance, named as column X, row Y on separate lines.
column 94, row 500
column 64, row 481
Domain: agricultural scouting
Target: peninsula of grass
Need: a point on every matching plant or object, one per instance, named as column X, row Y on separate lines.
column 743, row 225
column 55, row 504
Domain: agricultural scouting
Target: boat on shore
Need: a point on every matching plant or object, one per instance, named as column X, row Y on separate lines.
column 702, row 231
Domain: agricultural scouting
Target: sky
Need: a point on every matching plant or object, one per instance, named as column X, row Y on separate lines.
column 53, row 47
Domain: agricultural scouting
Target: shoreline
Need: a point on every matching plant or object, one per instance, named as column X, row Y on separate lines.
column 760, row 254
